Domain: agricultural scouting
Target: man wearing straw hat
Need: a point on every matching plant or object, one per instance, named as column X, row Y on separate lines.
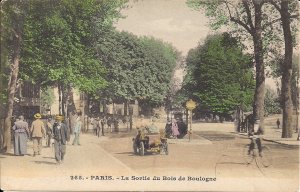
column 37, row 133
column 61, row 137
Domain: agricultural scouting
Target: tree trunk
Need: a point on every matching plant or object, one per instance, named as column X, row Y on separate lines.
column 71, row 108
column 238, row 114
column 130, row 117
column 59, row 99
column 64, row 101
column 258, row 105
column 126, row 107
column 11, row 92
column 287, row 130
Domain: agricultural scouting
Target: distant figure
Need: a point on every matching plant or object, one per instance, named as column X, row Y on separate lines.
column 97, row 126
column 168, row 128
column 37, row 133
column 278, row 123
column 116, row 124
column 175, row 131
column 20, row 130
column 49, row 131
column 77, row 130
column 109, row 123
column 182, row 127
column 61, row 137
column 103, row 122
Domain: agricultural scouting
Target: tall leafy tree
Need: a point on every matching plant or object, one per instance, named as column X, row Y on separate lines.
column 63, row 49
column 246, row 17
column 138, row 68
column 12, row 21
column 219, row 75
column 252, row 20
column 285, row 9
column 53, row 42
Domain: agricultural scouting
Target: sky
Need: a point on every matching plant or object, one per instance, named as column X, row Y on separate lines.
column 169, row 20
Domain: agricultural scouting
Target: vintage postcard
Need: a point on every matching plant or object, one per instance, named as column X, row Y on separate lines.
column 149, row 95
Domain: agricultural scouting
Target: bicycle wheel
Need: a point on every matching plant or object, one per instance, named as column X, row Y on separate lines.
column 266, row 157
column 248, row 155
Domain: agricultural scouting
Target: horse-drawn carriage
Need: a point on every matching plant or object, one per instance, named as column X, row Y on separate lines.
column 149, row 141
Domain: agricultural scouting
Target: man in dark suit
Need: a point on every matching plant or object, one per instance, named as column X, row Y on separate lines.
column 61, row 137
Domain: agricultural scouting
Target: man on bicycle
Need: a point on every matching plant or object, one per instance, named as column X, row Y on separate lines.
column 254, row 133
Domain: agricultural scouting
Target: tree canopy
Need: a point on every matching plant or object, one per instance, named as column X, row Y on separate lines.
column 138, row 67
column 59, row 48
column 219, row 75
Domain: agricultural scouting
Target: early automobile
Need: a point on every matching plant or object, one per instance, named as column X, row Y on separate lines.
column 151, row 141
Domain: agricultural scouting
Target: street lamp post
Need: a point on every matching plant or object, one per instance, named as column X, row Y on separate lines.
column 190, row 105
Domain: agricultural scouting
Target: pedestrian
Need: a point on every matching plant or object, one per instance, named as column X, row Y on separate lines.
column 116, row 124
column 182, row 127
column 20, row 131
column 49, row 131
column 37, row 133
column 168, row 128
column 103, row 122
column 94, row 122
column 97, row 126
column 278, row 123
column 61, row 137
column 109, row 123
column 175, row 131
column 77, row 130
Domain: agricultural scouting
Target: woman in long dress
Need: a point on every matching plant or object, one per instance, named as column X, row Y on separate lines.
column 175, row 130
column 20, row 136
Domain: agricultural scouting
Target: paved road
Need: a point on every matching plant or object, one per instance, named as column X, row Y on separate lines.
column 219, row 159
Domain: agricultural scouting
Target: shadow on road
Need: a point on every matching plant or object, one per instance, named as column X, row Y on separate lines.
column 48, row 157
column 8, row 154
column 126, row 153
column 233, row 163
column 45, row 162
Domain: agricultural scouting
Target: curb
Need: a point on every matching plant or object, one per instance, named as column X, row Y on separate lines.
column 281, row 143
column 271, row 140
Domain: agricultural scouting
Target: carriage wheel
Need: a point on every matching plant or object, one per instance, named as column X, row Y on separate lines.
column 166, row 148
column 142, row 149
column 135, row 148
column 266, row 156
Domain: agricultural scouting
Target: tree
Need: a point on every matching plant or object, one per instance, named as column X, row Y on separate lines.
column 12, row 21
column 272, row 104
column 256, row 19
column 247, row 18
column 64, row 48
column 138, row 68
column 285, row 8
column 219, row 75
column 67, row 30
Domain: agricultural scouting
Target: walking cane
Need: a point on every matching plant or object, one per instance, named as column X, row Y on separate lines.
column 52, row 144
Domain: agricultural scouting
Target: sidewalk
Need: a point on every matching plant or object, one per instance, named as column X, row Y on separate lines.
column 272, row 133
column 194, row 140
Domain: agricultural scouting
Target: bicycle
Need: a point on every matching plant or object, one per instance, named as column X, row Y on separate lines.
column 265, row 157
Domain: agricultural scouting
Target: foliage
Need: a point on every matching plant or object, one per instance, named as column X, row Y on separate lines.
column 295, row 82
column 59, row 48
column 272, row 104
column 47, row 96
column 219, row 75
column 276, row 72
column 138, row 68
column 239, row 17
